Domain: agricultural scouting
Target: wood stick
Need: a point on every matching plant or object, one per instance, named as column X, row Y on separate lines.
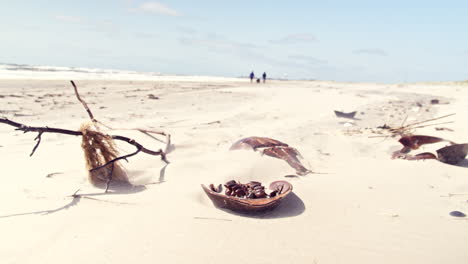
column 425, row 121
column 91, row 116
column 26, row 128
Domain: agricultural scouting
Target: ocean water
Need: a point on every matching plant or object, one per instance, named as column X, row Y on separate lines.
column 23, row 71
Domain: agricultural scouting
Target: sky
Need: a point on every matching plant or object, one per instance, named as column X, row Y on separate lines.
column 371, row 41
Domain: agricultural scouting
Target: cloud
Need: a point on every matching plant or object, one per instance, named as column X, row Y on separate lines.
column 105, row 26
column 251, row 53
column 217, row 42
column 295, row 38
column 376, row 52
column 156, row 8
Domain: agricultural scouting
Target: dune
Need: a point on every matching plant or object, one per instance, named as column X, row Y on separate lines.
column 358, row 205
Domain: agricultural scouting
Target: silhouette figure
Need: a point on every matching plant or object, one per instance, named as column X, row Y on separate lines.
column 252, row 75
column 264, row 77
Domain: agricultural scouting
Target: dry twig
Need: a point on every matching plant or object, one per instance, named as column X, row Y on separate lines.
column 105, row 152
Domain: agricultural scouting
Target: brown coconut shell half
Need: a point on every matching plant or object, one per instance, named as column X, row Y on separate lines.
column 452, row 154
column 273, row 148
column 257, row 142
column 415, row 141
column 245, row 205
column 290, row 155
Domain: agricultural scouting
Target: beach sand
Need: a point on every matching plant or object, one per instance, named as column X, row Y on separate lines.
column 359, row 206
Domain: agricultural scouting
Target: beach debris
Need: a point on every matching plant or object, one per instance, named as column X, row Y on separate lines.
column 452, row 154
column 349, row 115
column 50, row 175
column 152, row 96
column 443, row 129
column 435, row 101
column 99, row 149
column 101, row 154
column 273, row 148
column 406, row 129
column 257, row 142
column 457, row 214
column 413, row 142
column 211, row 123
column 250, row 197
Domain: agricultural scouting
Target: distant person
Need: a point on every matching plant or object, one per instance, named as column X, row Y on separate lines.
column 264, row 77
column 252, row 76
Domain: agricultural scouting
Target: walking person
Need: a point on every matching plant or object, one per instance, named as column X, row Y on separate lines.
column 252, row 75
column 264, row 77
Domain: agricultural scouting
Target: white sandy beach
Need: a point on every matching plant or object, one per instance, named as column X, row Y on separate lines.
column 359, row 207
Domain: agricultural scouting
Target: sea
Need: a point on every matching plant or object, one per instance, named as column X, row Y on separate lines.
column 34, row 72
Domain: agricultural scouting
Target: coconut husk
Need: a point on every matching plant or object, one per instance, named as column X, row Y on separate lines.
column 99, row 148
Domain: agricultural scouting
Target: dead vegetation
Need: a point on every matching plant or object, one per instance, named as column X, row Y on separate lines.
column 101, row 155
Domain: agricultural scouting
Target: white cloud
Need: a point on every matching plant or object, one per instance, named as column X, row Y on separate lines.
column 295, row 38
column 215, row 41
column 156, row 8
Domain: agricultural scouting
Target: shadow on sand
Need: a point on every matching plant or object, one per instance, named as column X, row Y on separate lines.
column 291, row 206
column 114, row 189
column 463, row 163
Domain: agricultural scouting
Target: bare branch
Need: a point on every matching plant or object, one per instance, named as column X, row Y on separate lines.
column 83, row 103
column 26, row 128
column 83, row 133
column 117, row 159
column 38, row 138
column 144, row 131
column 40, row 130
column 110, row 177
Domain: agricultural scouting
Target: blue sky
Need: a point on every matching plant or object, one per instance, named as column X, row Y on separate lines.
column 378, row 41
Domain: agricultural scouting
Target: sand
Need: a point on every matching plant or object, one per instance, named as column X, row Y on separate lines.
column 359, row 207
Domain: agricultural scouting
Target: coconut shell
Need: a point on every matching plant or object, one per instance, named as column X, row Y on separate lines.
column 452, row 154
column 273, row 148
column 256, row 142
column 415, row 141
column 246, row 205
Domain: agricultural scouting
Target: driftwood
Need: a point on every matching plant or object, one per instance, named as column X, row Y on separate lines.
column 273, row 148
column 405, row 130
column 248, row 205
column 100, row 152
